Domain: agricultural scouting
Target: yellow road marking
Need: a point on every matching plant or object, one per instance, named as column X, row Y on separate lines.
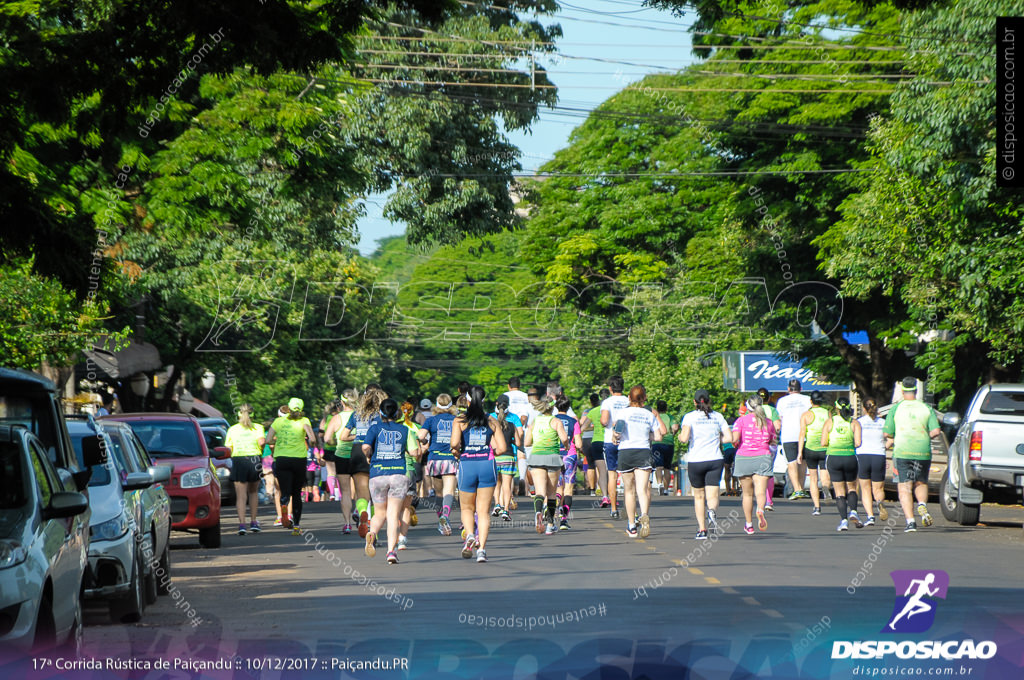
column 712, row 580
column 695, row 570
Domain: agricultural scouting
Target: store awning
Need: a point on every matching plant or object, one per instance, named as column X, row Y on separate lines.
column 205, row 409
column 137, row 357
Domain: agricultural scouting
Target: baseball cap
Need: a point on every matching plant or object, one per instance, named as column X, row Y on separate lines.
column 909, row 384
column 701, row 395
column 501, row 401
column 296, row 404
column 424, row 403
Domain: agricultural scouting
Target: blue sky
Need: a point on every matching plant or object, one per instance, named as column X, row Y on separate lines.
column 615, row 30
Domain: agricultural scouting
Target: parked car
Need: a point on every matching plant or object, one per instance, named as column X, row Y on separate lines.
column 215, row 436
column 214, row 422
column 43, row 548
column 176, row 439
column 987, row 454
column 122, row 568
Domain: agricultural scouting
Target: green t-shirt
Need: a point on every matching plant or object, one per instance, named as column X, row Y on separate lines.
column 595, row 417
column 668, row 421
column 244, row 442
column 771, row 412
column 909, row 423
column 812, row 439
column 291, row 437
column 545, row 436
column 840, row 438
column 343, row 449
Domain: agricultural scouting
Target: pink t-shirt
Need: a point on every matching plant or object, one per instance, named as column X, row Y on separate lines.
column 753, row 441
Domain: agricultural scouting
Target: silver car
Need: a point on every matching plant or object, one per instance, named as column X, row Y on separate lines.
column 43, row 549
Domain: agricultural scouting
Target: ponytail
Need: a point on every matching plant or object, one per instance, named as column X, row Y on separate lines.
column 871, row 408
column 754, row 406
column 245, row 416
column 704, row 406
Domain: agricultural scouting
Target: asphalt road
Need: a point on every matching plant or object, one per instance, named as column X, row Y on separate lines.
column 766, row 605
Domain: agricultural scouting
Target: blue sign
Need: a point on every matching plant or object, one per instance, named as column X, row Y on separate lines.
column 748, row 371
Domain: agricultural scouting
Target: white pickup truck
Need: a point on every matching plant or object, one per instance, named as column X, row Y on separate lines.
column 986, row 459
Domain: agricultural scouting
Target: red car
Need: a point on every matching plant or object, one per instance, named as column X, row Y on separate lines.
column 176, row 439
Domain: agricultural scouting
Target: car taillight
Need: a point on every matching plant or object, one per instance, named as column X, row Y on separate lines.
column 974, row 453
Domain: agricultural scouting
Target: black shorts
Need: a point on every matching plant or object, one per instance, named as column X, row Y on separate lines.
column 707, row 473
column 728, row 455
column 792, row 451
column 593, row 452
column 871, row 466
column 842, row 468
column 815, row 459
column 358, row 463
column 342, row 465
column 663, row 454
column 634, row 459
column 910, row 470
column 246, row 469
column 329, row 455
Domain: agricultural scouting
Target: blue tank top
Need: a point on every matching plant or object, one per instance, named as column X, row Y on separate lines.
column 476, row 443
column 440, row 428
column 570, row 426
column 360, row 426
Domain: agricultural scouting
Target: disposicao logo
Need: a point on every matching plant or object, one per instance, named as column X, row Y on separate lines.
column 917, row 595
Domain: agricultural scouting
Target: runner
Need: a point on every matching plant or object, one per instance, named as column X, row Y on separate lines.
column 910, row 426
column 544, row 462
column 596, row 459
column 473, row 435
column 635, row 458
column 413, row 470
column 841, row 436
column 704, row 431
column 729, row 458
column 436, row 433
column 773, row 415
column 791, row 409
column 367, row 412
column 753, row 434
column 871, row 461
column 512, row 430
column 246, row 440
column 810, row 450
column 424, row 412
column 587, row 433
column 343, row 454
column 290, row 437
column 384, row 444
column 610, row 408
column 269, row 481
column 329, row 448
column 570, row 460
column 664, row 449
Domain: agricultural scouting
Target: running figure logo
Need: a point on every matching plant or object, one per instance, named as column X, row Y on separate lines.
column 916, row 593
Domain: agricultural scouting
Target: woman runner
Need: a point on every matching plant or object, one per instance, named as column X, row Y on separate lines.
column 841, row 436
column 366, row 414
column 546, row 435
column 570, row 460
column 329, row 448
column 269, row 481
column 704, row 430
column 811, row 424
column 635, row 463
column 246, row 439
column 474, row 433
column 512, row 429
column 413, row 470
column 437, row 434
column 290, row 437
column 595, row 459
column 871, row 461
column 384, row 445
column 343, row 454
column 773, row 415
column 664, row 449
column 754, row 435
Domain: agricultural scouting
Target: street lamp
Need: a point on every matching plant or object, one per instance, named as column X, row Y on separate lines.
column 207, row 382
column 186, row 401
column 140, row 384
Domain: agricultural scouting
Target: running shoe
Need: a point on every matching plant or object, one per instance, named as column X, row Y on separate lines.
column 371, row 544
column 632, row 532
column 762, row 523
column 926, row 518
column 254, row 526
column 815, row 512
column 712, row 521
column 593, row 493
column 277, row 522
column 355, row 517
column 392, row 558
column 855, row 518
column 748, row 528
column 539, row 521
column 467, row 547
column 605, row 502
column 347, row 529
column 505, row 517
column 496, row 511
column 911, row 527
column 462, row 533
column 769, row 507
column 241, row 530
column 795, row 496
column 413, row 519
column 443, row 526
column 403, row 543
column 702, row 535
column 870, row 522
column 804, row 493
column 615, row 514
column 549, row 529
column 513, row 505
column 481, row 555
column 883, row 512
column 826, row 495
column 564, row 525
column 287, row 522
column 843, row 526
column 364, row 523
column 296, row 530
column 645, row 526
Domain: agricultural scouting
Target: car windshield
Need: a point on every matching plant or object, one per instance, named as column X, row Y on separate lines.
column 13, row 493
column 168, row 439
column 100, row 473
column 1003, row 404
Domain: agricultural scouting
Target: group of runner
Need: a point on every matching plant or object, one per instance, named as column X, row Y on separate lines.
column 384, row 453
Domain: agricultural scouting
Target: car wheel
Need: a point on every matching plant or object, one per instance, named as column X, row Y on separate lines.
column 129, row 609
column 969, row 514
column 149, row 581
column 163, row 570
column 947, row 503
column 210, row 536
column 72, row 647
column 46, row 634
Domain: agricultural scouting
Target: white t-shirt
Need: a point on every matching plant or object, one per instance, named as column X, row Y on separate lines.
column 872, row 439
column 640, row 423
column 791, row 407
column 519, row 404
column 613, row 405
column 705, row 435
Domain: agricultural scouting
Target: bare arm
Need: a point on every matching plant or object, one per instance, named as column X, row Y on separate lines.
column 606, row 417
column 456, row 443
column 856, row 434
column 684, row 434
column 825, row 431
column 498, row 437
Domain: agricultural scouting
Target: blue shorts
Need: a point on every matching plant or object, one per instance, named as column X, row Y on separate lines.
column 663, row 454
column 477, row 474
column 611, row 456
